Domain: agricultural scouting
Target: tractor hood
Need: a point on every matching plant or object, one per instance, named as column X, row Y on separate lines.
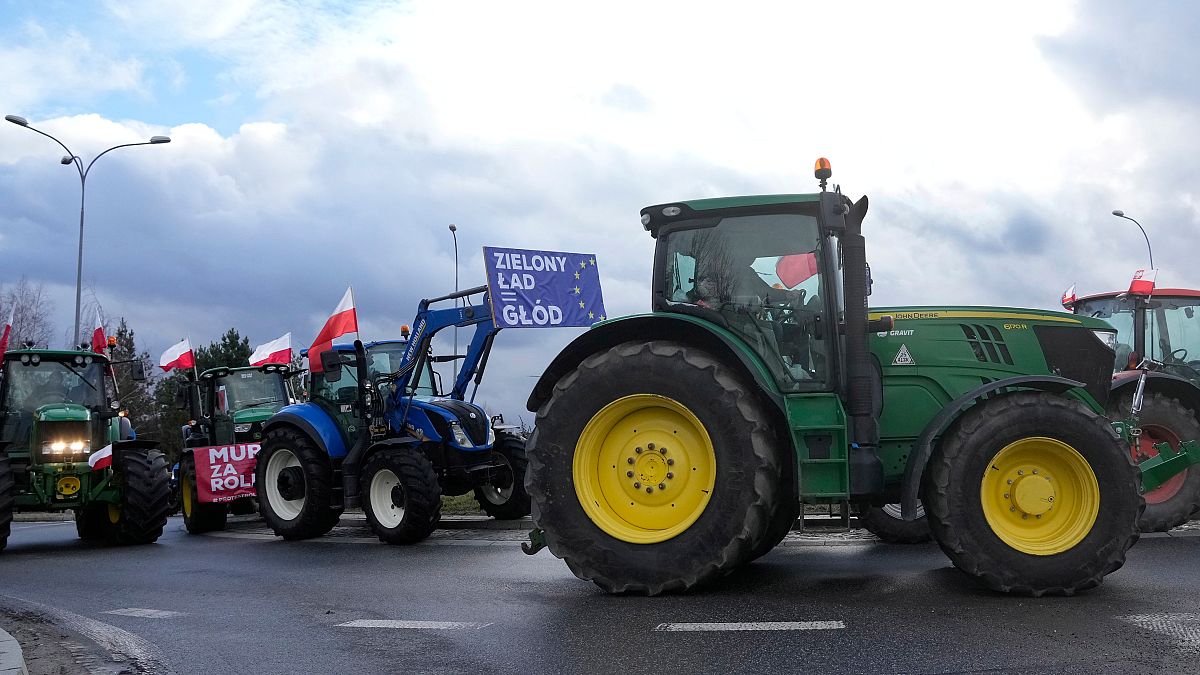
column 62, row 412
column 469, row 416
column 251, row 415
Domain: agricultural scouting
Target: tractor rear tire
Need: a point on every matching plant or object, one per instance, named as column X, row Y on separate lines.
column 1165, row 419
column 400, row 495
column 886, row 523
column 198, row 517
column 92, row 523
column 646, row 411
column 145, row 497
column 512, row 501
column 295, row 485
column 1011, row 460
column 8, row 489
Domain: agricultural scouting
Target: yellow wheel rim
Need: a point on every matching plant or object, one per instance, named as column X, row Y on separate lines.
column 644, row 468
column 1040, row 496
column 185, row 496
column 114, row 514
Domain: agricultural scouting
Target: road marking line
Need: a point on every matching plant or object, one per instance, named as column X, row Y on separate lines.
column 1183, row 628
column 145, row 613
column 417, row 625
column 754, row 625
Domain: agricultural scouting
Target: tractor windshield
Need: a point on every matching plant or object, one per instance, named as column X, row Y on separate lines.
column 29, row 385
column 242, row 389
column 1118, row 312
column 386, row 358
column 760, row 276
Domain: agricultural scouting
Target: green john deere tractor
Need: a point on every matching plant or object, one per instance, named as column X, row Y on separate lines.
column 674, row 447
column 228, row 406
column 59, row 408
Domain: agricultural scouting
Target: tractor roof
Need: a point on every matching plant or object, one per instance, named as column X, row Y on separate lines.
column 1158, row 292
column 656, row 216
column 54, row 354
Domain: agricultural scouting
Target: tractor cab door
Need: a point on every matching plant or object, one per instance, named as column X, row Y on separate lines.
column 338, row 396
column 1173, row 334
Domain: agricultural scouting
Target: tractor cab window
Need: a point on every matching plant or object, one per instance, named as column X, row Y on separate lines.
column 386, row 358
column 344, row 391
column 761, row 277
column 29, row 385
column 1173, row 334
column 243, row 389
column 1118, row 312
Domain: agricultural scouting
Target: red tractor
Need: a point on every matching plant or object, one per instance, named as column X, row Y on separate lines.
column 1162, row 328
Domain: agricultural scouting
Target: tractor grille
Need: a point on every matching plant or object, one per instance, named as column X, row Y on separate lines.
column 1077, row 354
column 987, row 343
column 473, row 420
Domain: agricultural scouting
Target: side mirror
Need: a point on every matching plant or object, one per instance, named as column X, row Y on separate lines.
column 180, row 399
column 331, row 363
column 137, row 370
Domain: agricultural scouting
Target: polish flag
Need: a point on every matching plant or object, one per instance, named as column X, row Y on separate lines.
column 1143, row 282
column 278, row 350
column 1068, row 298
column 343, row 320
column 6, row 331
column 101, row 459
column 795, row 268
column 177, row 356
column 98, row 340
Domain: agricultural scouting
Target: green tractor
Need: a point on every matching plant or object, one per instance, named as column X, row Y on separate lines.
column 672, row 448
column 228, row 406
column 60, row 409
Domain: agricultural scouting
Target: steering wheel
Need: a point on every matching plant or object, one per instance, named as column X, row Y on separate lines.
column 1179, row 355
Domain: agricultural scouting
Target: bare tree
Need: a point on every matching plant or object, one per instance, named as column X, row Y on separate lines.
column 31, row 310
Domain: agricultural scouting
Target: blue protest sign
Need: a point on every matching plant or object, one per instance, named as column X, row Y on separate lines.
column 543, row 289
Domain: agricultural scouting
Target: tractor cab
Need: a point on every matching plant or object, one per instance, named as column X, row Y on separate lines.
column 1164, row 327
column 233, row 403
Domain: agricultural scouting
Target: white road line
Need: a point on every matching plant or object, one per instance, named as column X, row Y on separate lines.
column 1182, row 628
column 414, row 625
column 145, row 613
column 754, row 625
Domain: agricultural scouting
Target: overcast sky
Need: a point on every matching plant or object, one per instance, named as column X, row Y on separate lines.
column 321, row 144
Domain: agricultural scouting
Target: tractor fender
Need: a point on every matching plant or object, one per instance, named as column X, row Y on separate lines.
column 398, row 442
column 643, row 327
column 914, row 469
column 119, row 447
column 312, row 420
column 1178, row 388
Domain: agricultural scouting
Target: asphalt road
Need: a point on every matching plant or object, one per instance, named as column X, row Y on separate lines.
column 248, row 603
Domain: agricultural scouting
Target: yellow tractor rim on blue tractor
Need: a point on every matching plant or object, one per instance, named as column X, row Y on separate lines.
column 1040, row 496
column 644, row 468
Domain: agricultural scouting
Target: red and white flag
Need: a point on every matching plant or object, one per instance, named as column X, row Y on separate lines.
column 6, row 331
column 1143, row 282
column 1068, row 298
column 343, row 320
column 278, row 350
column 98, row 340
column 178, row 355
column 101, row 459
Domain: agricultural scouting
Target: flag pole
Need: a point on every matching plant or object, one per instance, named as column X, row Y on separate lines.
column 195, row 371
column 354, row 304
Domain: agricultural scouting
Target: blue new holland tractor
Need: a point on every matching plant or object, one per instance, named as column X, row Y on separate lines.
column 379, row 432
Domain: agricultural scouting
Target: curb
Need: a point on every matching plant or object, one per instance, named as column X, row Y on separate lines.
column 12, row 659
column 34, row 517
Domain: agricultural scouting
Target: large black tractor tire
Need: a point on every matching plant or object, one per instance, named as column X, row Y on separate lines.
column 1165, row 419
column 886, row 523
column 295, row 485
column 8, row 491
column 145, row 496
column 92, row 523
column 786, row 512
column 400, row 496
column 646, row 411
column 505, row 498
column 198, row 518
column 1011, row 460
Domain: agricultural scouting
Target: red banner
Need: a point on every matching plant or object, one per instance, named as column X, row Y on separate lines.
column 225, row 472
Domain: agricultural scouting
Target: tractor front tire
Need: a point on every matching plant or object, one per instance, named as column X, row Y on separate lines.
column 198, row 517
column 1165, row 419
column 295, row 485
column 1032, row 493
column 653, row 468
column 400, row 496
column 8, row 490
column 506, row 498
column 886, row 523
column 145, row 497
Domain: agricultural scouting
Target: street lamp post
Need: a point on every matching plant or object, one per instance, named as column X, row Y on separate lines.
column 454, row 233
column 1121, row 214
column 72, row 158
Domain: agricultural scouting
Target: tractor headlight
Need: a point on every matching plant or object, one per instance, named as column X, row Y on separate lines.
column 491, row 435
column 242, row 428
column 64, row 447
column 460, row 436
column 1108, row 337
